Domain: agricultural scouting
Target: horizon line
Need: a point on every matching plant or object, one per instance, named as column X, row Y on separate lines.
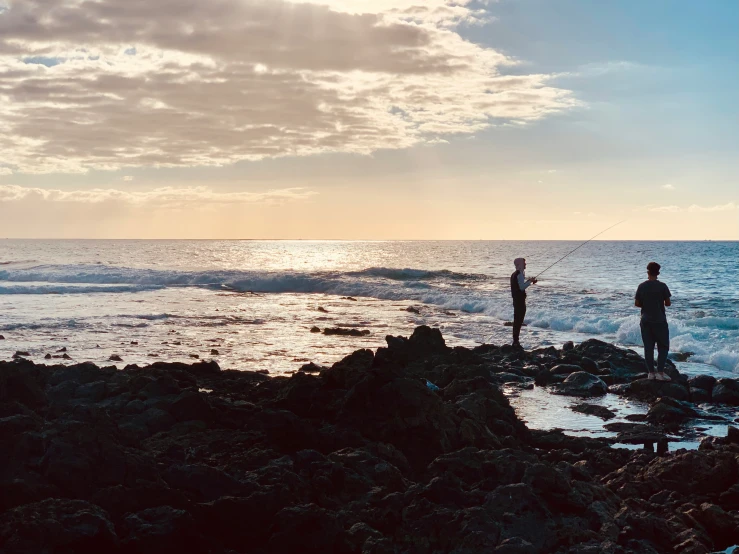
column 360, row 240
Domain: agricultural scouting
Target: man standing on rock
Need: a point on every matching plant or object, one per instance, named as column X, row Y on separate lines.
column 652, row 296
column 519, row 284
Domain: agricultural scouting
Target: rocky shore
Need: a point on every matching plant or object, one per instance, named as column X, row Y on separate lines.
column 412, row 448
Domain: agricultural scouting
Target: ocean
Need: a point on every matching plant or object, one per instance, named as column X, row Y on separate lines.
column 252, row 304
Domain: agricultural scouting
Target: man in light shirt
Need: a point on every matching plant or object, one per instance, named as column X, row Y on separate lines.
column 519, row 284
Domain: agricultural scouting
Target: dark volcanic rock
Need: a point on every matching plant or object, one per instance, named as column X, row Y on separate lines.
column 651, row 389
column 582, row 384
column 22, row 382
column 564, row 369
column 670, row 411
column 592, row 409
column 57, row 525
column 705, row 382
column 699, row 396
column 162, row 529
column 402, row 412
column 359, row 457
column 344, row 332
column 624, row 365
column 190, row 405
column 423, row 343
column 726, row 391
column 348, row 372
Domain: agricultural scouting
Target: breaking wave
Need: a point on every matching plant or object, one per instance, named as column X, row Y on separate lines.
column 710, row 334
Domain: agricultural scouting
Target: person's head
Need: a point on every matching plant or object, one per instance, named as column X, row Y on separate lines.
column 520, row 263
column 653, row 270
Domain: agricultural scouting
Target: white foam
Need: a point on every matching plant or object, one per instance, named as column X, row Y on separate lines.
column 70, row 289
column 709, row 333
column 728, row 360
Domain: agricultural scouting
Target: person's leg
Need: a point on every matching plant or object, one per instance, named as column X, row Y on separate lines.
column 648, row 340
column 662, row 337
column 519, row 311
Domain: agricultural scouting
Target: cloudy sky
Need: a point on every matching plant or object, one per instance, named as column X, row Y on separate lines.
column 369, row 119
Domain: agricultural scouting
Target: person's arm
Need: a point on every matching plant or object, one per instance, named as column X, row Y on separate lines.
column 668, row 294
column 522, row 283
column 637, row 299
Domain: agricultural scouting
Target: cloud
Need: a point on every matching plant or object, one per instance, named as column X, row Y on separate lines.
column 164, row 197
column 5, row 171
column 104, row 84
column 128, row 178
column 719, row 208
column 668, row 186
column 695, row 208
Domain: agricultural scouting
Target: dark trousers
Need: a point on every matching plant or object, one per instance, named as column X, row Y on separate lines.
column 655, row 332
column 519, row 311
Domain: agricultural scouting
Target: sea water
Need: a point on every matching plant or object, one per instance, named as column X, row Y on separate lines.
column 251, row 305
column 255, row 302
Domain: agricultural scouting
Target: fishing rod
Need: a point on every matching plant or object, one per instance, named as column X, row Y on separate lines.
column 568, row 253
column 578, row 248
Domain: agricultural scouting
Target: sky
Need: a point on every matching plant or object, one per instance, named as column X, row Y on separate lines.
column 369, row 119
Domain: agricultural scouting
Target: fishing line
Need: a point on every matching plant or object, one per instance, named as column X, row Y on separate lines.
column 570, row 252
column 583, row 244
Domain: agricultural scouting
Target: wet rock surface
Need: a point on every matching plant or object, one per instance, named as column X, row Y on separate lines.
column 359, row 457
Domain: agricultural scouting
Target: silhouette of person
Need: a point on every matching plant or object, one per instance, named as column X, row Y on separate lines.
column 652, row 296
column 519, row 284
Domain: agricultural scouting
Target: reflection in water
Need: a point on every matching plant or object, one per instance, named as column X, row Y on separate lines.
column 542, row 410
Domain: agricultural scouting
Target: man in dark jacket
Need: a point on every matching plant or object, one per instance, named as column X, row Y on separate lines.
column 519, row 284
column 652, row 296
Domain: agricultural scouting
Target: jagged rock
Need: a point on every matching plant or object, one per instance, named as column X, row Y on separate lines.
column 91, row 392
column 581, row 384
column 115, row 358
column 315, row 329
column 190, row 405
column 670, row 411
column 205, row 482
column 567, row 346
column 705, row 382
column 312, row 368
column 349, row 371
column 402, row 412
column 565, row 369
column 162, row 529
column 590, row 366
column 592, row 409
column 651, row 389
column 423, row 343
column 57, row 525
column 722, row 526
column 726, row 391
column 307, row 528
column 361, row 457
column 344, row 332
column 699, row 396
